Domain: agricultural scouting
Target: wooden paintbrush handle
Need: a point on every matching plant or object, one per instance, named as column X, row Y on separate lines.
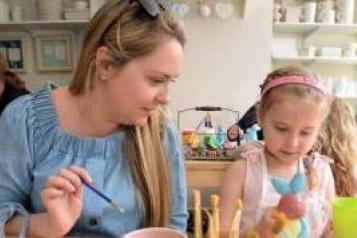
column 197, row 213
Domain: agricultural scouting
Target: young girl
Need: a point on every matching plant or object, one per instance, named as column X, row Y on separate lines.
column 338, row 140
column 292, row 107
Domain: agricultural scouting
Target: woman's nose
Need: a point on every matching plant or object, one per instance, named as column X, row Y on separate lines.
column 164, row 96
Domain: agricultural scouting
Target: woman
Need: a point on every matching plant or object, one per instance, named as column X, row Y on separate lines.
column 11, row 85
column 107, row 128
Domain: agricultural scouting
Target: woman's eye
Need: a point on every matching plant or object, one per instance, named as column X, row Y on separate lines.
column 155, row 81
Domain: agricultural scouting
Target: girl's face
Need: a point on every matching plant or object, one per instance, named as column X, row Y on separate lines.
column 290, row 127
column 136, row 90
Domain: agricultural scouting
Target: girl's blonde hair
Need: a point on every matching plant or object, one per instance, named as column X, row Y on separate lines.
column 8, row 76
column 338, row 140
column 299, row 90
column 129, row 32
column 302, row 91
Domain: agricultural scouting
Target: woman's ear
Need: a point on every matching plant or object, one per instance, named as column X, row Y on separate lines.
column 102, row 60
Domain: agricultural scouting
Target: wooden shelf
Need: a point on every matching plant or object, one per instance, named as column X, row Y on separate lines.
column 314, row 60
column 207, row 174
column 308, row 28
column 44, row 25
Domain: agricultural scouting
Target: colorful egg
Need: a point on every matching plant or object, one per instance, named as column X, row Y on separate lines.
column 292, row 205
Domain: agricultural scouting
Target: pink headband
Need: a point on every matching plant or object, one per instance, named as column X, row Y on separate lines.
column 284, row 80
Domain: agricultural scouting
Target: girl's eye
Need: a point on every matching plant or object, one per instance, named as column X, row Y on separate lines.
column 281, row 129
column 305, row 133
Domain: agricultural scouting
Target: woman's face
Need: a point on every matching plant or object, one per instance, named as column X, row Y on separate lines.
column 136, row 90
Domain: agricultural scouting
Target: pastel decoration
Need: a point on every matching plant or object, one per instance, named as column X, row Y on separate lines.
column 297, row 183
column 224, row 10
column 220, row 136
column 205, row 10
column 280, row 185
column 292, row 205
column 180, row 9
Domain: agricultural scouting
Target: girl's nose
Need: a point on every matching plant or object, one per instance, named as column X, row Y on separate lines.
column 292, row 143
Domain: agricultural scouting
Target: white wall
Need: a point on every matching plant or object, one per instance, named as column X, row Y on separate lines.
column 225, row 60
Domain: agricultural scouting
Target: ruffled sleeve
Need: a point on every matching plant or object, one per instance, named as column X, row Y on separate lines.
column 16, row 162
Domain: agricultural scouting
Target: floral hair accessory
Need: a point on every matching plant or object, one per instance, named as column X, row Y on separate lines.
column 154, row 7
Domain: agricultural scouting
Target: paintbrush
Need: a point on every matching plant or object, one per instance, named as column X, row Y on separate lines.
column 110, row 201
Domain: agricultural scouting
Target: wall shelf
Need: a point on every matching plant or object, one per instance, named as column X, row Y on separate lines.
column 317, row 60
column 347, row 97
column 43, row 25
column 308, row 28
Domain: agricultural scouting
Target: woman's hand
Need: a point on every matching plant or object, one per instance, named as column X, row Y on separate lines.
column 63, row 199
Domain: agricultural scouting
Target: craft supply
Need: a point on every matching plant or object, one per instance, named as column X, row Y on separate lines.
column 110, row 201
column 234, row 231
column 197, row 213
column 292, row 204
column 215, row 214
column 211, row 232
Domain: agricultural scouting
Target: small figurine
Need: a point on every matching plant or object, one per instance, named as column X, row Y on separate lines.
column 278, row 15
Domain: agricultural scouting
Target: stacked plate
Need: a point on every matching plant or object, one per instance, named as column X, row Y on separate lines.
column 50, row 10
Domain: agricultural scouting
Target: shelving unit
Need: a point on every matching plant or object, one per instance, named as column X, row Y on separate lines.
column 316, row 34
column 43, row 25
column 309, row 28
column 315, row 60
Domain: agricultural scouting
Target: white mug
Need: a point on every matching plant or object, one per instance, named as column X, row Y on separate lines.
column 81, row 5
column 350, row 50
column 4, row 11
column 16, row 13
column 327, row 16
column 292, row 14
column 309, row 12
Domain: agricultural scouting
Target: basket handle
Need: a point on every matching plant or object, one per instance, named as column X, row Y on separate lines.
column 208, row 108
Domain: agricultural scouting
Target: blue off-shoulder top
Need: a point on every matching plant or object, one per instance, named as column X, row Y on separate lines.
column 33, row 146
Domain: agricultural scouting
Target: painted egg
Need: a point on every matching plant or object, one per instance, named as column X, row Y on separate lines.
column 292, row 205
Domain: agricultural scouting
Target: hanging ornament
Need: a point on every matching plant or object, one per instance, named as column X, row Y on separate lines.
column 205, row 7
column 180, row 9
column 224, row 9
column 205, row 10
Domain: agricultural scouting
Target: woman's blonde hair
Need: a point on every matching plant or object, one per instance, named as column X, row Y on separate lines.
column 302, row 91
column 129, row 32
column 338, row 140
column 8, row 76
